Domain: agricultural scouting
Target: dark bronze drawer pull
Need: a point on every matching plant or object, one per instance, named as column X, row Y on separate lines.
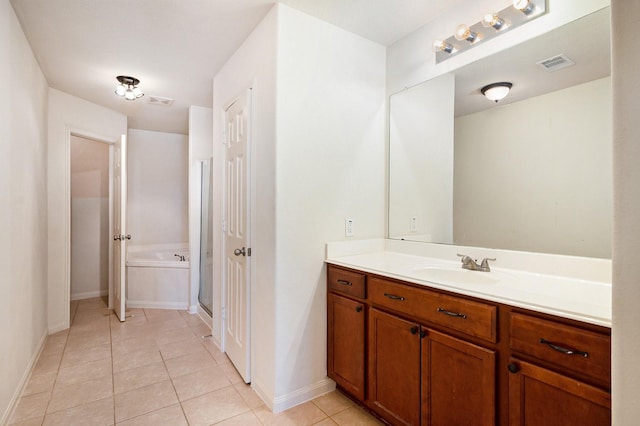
column 451, row 314
column 343, row 282
column 393, row 296
column 564, row 350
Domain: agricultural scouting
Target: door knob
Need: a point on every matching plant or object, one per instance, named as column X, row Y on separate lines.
column 128, row 237
column 117, row 237
column 239, row 252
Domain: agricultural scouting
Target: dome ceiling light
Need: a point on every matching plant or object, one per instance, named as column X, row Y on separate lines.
column 128, row 88
column 496, row 91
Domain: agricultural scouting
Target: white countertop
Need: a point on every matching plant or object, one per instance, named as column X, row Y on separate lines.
column 565, row 296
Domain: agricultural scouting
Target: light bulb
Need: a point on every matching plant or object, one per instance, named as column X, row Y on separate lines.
column 137, row 92
column 492, row 20
column 464, row 33
column 524, row 6
column 442, row 46
column 120, row 90
column 129, row 94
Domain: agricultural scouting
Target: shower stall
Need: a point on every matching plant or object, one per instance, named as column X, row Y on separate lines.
column 205, row 295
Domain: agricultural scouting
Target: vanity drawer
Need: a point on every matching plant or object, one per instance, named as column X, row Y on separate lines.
column 347, row 282
column 469, row 317
column 570, row 348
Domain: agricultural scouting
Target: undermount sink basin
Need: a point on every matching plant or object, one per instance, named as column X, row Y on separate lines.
column 449, row 275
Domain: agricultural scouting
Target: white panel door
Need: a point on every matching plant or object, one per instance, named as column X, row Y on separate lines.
column 236, row 284
column 120, row 236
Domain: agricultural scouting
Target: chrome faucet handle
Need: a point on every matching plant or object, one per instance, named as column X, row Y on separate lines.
column 485, row 263
column 468, row 262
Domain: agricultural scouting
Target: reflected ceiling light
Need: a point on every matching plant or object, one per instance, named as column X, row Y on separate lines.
column 128, row 88
column 493, row 20
column 442, row 46
column 524, row 6
column 464, row 33
column 496, row 91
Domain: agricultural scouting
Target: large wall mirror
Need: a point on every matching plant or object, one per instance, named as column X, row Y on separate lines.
column 532, row 172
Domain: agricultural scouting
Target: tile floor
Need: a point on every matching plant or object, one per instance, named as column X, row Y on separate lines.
column 154, row 369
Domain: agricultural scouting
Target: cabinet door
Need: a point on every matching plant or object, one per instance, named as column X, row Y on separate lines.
column 458, row 382
column 346, row 344
column 394, row 368
column 542, row 397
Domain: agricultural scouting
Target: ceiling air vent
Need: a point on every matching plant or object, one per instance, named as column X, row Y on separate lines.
column 556, row 63
column 158, row 100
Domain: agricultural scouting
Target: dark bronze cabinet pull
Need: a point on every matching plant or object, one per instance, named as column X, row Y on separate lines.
column 359, row 309
column 343, row 282
column 414, row 329
column 513, row 367
column 393, row 296
column 564, row 350
column 451, row 314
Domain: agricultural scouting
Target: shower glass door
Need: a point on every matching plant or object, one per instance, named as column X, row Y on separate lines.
column 205, row 296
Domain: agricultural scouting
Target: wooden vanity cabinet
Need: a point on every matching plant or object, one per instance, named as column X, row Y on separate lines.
column 346, row 328
column 419, row 356
column 558, row 373
column 418, row 375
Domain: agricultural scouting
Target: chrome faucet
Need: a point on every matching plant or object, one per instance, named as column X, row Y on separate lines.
column 472, row 265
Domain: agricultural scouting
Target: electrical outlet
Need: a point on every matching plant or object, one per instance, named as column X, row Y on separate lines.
column 414, row 224
column 348, row 228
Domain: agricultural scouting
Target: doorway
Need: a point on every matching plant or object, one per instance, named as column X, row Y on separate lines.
column 90, row 183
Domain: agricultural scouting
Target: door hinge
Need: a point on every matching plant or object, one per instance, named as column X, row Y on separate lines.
column 249, row 251
column 224, row 225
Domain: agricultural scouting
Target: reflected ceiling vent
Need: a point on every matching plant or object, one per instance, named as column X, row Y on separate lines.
column 556, row 63
column 158, row 100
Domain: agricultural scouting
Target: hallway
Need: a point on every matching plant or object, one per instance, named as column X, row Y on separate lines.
column 154, row 369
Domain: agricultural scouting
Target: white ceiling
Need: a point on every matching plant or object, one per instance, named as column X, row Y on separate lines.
column 175, row 47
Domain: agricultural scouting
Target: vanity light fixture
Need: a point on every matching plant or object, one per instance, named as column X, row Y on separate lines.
column 496, row 91
column 464, row 33
column 517, row 12
column 493, row 20
column 128, row 88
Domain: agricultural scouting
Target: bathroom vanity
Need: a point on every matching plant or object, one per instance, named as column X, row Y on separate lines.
column 421, row 341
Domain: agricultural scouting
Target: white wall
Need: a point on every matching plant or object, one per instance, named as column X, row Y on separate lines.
column 626, row 234
column 330, row 157
column 318, row 158
column 411, row 61
column 68, row 114
column 89, row 218
column 252, row 65
column 157, row 173
column 559, row 167
column 200, row 148
column 23, row 209
column 421, row 161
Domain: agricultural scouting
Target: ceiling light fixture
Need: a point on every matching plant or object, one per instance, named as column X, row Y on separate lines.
column 496, row 91
column 128, row 88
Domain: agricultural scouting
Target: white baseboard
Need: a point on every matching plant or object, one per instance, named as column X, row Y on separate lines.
column 6, row 416
column 89, row 294
column 157, row 305
column 193, row 309
column 55, row 328
column 297, row 397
